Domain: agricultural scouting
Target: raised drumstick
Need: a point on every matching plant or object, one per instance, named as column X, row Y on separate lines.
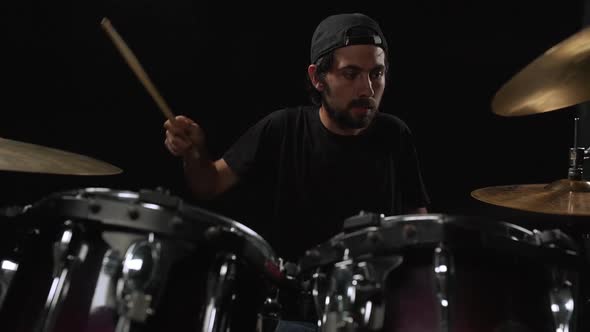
column 132, row 61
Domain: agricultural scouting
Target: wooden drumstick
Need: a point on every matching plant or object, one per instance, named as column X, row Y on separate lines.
column 137, row 68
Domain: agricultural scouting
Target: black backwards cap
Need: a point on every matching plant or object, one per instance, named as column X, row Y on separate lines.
column 335, row 32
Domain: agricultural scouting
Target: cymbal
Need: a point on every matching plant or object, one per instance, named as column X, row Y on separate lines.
column 563, row 197
column 26, row 157
column 558, row 78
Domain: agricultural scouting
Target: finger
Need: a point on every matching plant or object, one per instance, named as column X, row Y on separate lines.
column 184, row 119
column 179, row 130
column 195, row 133
column 176, row 149
column 171, row 148
column 178, row 136
column 180, row 144
column 179, row 124
column 191, row 128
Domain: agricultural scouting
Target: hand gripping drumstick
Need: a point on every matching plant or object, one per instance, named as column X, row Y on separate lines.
column 140, row 73
column 137, row 68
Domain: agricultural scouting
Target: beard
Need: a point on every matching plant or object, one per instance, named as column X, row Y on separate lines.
column 345, row 118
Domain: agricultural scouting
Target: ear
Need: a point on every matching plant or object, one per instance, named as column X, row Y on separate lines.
column 312, row 72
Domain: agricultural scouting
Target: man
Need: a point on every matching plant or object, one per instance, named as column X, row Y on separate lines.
column 318, row 164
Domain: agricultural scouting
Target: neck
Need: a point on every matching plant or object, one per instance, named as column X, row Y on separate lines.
column 334, row 127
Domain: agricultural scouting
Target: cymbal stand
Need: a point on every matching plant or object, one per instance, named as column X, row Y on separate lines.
column 575, row 175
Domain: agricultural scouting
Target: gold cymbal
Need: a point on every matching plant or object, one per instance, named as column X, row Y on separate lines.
column 563, row 197
column 26, row 157
column 559, row 78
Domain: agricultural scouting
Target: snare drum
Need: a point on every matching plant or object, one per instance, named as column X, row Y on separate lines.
column 444, row 273
column 98, row 259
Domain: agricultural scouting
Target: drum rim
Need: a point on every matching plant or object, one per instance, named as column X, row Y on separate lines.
column 327, row 251
column 233, row 226
column 441, row 218
column 189, row 215
column 89, row 204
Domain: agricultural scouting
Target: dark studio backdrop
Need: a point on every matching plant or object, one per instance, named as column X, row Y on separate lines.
column 226, row 65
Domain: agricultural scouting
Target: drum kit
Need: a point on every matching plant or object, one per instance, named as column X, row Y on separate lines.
column 100, row 259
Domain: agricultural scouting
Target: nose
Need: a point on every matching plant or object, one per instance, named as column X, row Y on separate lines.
column 366, row 86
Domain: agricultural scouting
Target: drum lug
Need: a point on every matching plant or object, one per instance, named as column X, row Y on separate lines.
column 354, row 298
column 220, row 293
column 8, row 268
column 139, row 281
column 443, row 268
column 270, row 314
column 562, row 301
column 67, row 255
column 105, row 297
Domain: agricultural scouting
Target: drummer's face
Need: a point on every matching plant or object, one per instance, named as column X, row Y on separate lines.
column 353, row 88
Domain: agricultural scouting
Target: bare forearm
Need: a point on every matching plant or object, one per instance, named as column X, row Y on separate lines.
column 206, row 178
column 201, row 176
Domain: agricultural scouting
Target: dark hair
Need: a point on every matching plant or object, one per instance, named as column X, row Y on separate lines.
column 324, row 64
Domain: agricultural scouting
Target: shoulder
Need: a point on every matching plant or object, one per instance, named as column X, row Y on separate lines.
column 285, row 117
column 393, row 132
column 289, row 113
column 389, row 123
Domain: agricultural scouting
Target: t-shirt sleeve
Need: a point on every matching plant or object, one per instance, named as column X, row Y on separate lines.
column 414, row 191
column 248, row 154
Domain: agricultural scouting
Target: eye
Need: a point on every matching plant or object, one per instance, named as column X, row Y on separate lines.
column 350, row 74
column 376, row 74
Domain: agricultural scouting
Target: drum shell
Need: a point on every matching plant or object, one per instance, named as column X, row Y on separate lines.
column 446, row 273
column 186, row 264
column 487, row 291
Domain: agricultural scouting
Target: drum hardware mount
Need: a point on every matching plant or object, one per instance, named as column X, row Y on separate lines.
column 8, row 269
column 561, row 197
column 443, row 266
column 562, row 300
column 354, row 293
column 577, row 155
column 220, row 293
column 270, row 313
column 361, row 220
column 109, row 273
column 67, row 256
column 139, row 282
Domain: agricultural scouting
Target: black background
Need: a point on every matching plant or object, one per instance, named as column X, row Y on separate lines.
column 226, row 65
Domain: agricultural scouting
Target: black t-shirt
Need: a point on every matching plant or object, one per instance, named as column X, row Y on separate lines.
column 313, row 179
